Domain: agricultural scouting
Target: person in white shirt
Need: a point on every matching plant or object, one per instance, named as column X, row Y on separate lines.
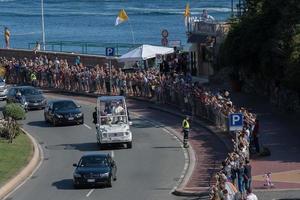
column 206, row 17
column 118, row 110
column 250, row 195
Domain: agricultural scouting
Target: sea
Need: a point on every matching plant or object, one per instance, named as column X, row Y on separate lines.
column 93, row 21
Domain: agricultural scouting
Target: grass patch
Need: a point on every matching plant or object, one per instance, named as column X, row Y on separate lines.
column 14, row 156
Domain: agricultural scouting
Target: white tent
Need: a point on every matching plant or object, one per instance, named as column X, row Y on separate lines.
column 145, row 52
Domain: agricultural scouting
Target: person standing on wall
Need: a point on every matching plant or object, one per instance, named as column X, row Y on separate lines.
column 186, row 130
column 6, row 37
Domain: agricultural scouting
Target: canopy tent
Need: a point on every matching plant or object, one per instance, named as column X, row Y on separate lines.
column 145, row 52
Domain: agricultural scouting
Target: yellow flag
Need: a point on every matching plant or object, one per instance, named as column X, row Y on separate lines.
column 187, row 11
column 187, row 14
column 122, row 17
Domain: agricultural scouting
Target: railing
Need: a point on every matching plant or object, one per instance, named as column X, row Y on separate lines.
column 206, row 27
column 85, row 47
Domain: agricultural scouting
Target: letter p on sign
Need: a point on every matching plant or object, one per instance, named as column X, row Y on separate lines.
column 236, row 122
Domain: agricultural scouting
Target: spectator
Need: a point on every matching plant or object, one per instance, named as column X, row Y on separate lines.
column 7, row 37
column 250, row 195
column 247, row 175
column 206, row 17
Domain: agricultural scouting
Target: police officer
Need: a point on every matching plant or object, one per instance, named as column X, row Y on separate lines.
column 33, row 79
column 186, row 130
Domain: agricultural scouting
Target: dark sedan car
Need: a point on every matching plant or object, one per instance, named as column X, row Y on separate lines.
column 61, row 112
column 95, row 169
column 34, row 98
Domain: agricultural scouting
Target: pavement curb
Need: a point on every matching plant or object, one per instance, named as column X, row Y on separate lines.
column 179, row 192
column 34, row 163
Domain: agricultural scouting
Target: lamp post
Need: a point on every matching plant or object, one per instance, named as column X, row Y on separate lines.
column 43, row 25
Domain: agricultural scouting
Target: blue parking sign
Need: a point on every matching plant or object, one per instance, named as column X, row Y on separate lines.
column 236, row 122
column 110, row 51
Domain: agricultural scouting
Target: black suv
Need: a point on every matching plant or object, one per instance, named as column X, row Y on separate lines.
column 60, row 112
column 95, row 169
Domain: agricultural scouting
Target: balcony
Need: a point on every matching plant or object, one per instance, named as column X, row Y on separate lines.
column 199, row 30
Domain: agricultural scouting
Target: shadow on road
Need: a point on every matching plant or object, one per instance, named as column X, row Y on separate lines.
column 91, row 146
column 65, row 184
column 167, row 147
column 44, row 124
column 39, row 124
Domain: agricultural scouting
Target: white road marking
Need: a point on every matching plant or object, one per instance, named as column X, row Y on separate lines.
column 166, row 130
column 112, row 154
column 90, row 192
column 87, row 126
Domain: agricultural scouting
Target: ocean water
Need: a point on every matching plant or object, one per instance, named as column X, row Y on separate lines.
column 93, row 20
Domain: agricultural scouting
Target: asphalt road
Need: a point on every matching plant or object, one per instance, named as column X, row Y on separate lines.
column 148, row 171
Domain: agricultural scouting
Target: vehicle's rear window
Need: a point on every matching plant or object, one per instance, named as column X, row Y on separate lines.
column 92, row 161
column 64, row 105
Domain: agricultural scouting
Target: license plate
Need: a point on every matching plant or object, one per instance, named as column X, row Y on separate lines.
column 71, row 118
column 35, row 104
column 91, row 180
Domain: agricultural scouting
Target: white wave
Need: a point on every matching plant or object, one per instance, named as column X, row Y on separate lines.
column 3, row 1
column 28, row 33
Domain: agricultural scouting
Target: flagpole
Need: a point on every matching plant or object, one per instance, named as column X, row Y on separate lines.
column 43, row 25
column 132, row 33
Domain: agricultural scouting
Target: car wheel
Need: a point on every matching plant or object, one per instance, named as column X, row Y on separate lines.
column 54, row 122
column 129, row 145
column 76, row 186
column 109, row 183
column 101, row 146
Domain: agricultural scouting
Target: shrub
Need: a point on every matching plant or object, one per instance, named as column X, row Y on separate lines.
column 15, row 111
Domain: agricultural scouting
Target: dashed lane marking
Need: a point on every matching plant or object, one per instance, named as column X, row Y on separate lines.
column 87, row 126
column 90, row 192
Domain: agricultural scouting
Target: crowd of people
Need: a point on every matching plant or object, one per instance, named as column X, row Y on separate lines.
column 166, row 84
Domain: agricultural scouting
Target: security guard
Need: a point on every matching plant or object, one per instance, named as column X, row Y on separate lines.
column 186, row 130
column 33, row 79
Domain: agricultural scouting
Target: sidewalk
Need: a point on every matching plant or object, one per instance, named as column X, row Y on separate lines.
column 280, row 133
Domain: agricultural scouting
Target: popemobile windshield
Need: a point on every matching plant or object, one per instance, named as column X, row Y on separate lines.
column 112, row 121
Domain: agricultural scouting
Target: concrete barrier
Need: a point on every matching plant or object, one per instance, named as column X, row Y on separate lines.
column 86, row 60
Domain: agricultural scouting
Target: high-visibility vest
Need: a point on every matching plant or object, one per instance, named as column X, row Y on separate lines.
column 185, row 124
column 33, row 77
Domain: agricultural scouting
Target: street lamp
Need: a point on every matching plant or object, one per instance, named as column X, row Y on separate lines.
column 43, row 25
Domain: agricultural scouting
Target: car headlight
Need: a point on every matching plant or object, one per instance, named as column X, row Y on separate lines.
column 44, row 101
column 5, row 91
column 126, row 133
column 105, row 174
column 59, row 116
column 25, row 103
column 77, row 175
column 78, row 115
column 104, row 135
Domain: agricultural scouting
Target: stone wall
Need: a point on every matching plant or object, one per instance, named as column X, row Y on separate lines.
column 87, row 60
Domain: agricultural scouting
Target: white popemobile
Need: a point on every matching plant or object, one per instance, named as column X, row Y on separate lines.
column 112, row 123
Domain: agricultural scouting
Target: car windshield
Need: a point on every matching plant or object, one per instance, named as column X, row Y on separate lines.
column 93, row 161
column 113, row 111
column 29, row 91
column 64, row 105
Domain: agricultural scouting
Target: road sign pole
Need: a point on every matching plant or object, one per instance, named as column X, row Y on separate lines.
column 110, row 51
column 110, row 84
